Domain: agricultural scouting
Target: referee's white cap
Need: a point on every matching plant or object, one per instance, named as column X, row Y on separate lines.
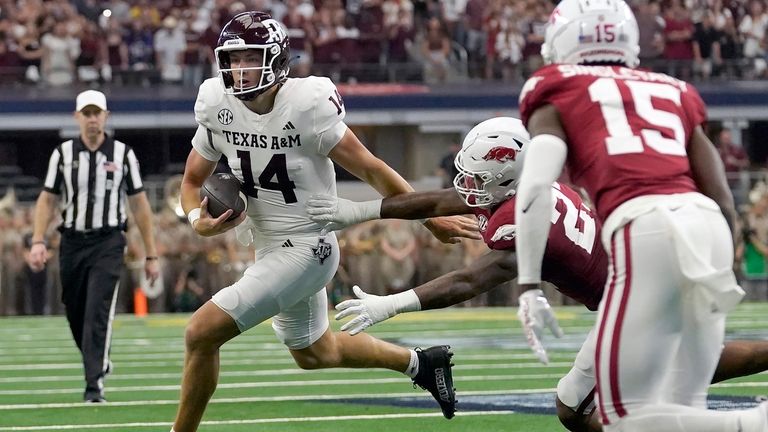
column 91, row 97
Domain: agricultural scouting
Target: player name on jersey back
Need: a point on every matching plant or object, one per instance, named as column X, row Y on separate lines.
column 568, row 71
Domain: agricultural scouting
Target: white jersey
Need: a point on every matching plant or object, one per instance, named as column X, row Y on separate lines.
column 281, row 157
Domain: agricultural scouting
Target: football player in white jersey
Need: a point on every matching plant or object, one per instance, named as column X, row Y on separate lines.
column 280, row 136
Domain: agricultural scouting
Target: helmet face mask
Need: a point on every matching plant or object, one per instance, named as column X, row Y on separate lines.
column 592, row 31
column 264, row 46
column 490, row 162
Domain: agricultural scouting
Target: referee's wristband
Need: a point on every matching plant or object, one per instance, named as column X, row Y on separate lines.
column 42, row 242
column 193, row 216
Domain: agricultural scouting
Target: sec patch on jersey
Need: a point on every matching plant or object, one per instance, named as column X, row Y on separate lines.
column 223, row 193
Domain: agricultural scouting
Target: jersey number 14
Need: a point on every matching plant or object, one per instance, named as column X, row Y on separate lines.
column 274, row 177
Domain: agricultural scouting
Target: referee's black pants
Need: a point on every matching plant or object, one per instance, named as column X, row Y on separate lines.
column 90, row 266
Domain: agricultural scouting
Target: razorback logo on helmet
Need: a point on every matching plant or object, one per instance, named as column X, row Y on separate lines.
column 501, row 154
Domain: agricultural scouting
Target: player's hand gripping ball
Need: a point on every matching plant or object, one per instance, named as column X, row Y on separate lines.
column 223, row 192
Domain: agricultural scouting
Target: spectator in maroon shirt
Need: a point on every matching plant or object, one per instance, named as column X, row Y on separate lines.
column 371, row 26
column 90, row 61
column 678, row 33
column 400, row 34
column 114, row 52
column 476, row 37
column 11, row 68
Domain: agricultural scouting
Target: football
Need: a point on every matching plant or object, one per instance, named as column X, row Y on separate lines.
column 223, row 192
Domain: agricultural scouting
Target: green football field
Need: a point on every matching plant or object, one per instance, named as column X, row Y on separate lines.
column 500, row 385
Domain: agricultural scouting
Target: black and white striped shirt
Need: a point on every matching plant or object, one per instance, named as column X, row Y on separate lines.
column 93, row 185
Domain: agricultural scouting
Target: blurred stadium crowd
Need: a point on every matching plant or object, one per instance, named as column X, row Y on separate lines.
column 143, row 42
column 383, row 257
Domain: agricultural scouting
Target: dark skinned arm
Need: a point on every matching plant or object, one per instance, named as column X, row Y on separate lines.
column 421, row 205
column 486, row 273
column 709, row 174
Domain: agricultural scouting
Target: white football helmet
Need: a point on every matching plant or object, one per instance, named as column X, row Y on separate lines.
column 490, row 161
column 589, row 31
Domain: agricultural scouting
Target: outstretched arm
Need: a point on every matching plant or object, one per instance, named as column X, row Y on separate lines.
column 484, row 274
column 421, row 205
column 337, row 213
column 487, row 272
column 341, row 212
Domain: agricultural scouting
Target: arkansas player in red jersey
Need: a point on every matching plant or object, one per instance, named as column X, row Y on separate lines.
column 634, row 141
column 489, row 165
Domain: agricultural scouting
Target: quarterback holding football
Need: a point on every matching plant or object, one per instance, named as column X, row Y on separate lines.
column 281, row 136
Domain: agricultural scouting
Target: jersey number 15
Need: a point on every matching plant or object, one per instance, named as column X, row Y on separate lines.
column 621, row 139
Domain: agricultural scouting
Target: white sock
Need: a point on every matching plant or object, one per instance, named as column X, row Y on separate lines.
column 413, row 365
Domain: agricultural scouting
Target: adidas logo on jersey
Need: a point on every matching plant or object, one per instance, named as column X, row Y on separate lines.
column 289, row 126
column 287, row 243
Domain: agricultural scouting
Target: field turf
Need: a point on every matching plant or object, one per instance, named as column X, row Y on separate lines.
column 501, row 386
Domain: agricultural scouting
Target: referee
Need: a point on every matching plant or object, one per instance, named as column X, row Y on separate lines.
column 92, row 175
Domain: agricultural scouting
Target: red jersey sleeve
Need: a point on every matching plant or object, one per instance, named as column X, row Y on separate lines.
column 541, row 89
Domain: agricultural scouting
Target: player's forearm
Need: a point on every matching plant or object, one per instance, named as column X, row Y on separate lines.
column 189, row 196
column 421, row 205
column 448, row 290
column 457, row 286
column 385, row 180
column 544, row 162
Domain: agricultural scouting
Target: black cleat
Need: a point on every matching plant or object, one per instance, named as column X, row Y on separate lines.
column 435, row 376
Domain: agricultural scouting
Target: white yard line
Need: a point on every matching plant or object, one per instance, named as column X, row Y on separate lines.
column 297, row 371
column 253, row 399
column 253, row 421
column 226, row 361
column 279, row 384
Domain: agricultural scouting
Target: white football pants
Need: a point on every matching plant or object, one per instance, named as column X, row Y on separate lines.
column 658, row 337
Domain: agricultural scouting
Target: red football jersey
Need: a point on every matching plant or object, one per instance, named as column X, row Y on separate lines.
column 627, row 130
column 574, row 259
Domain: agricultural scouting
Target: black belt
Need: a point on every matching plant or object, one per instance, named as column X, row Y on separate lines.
column 88, row 234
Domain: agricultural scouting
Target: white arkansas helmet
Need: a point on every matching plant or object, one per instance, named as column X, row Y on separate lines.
column 490, row 161
column 590, row 31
